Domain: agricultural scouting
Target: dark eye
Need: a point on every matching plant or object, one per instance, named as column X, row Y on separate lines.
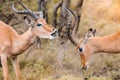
column 39, row 24
column 80, row 49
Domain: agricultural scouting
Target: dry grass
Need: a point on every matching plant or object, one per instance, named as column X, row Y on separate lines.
column 46, row 65
column 53, row 61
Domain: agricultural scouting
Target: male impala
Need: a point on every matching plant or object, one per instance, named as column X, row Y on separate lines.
column 12, row 44
column 91, row 44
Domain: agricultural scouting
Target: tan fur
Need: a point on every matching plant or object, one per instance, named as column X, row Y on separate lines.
column 107, row 44
column 13, row 44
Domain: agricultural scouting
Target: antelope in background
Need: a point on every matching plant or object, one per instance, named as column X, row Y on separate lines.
column 90, row 45
column 12, row 44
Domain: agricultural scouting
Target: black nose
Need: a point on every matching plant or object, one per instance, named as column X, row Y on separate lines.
column 84, row 67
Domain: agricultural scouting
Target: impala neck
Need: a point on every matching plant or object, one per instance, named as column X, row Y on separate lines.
column 23, row 42
column 108, row 44
column 28, row 37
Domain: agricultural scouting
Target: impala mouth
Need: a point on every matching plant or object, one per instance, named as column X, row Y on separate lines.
column 85, row 67
column 54, row 34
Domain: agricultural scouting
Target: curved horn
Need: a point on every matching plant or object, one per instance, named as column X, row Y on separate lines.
column 23, row 6
column 19, row 12
column 69, row 26
column 27, row 11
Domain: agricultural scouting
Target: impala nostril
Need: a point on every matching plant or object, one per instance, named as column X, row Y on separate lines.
column 54, row 33
column 84, row 67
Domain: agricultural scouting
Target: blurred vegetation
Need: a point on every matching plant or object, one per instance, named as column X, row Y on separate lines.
column 53, row 61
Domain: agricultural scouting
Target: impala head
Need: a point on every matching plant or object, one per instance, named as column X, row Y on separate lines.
column 38, row 24
column 83, row 48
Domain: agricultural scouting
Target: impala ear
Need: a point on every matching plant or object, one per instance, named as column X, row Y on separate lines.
column 28, row 21
column 91, row 33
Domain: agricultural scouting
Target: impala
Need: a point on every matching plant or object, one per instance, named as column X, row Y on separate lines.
column 12, row 44
column 90, row 45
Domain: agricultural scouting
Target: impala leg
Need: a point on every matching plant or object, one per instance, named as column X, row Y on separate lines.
column 16, row 67
column 5, row 66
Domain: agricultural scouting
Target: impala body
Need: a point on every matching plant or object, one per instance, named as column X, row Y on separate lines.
column 12, row 44
column 107, row 44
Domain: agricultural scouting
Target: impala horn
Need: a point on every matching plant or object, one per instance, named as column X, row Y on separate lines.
column 26, row 11
column 69, row 24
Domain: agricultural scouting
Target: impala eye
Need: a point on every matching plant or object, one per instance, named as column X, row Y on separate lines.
column 80, row 49
column 39, row 25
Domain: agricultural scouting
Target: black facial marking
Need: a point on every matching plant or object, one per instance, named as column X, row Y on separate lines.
column 80, row 49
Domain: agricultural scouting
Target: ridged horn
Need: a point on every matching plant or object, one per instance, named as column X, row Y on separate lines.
column 69, row 24
column 26, row 11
